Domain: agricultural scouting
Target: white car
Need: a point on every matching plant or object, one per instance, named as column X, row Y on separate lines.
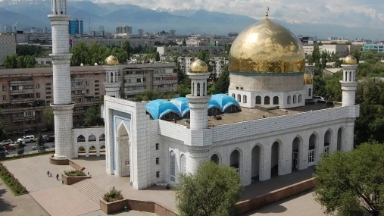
column 6, row 142
column 20, row 140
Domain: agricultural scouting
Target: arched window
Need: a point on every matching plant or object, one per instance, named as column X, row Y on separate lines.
column 203, row 89
column 275, row 100
column 294, row 99
column 198, row 89
column 266, row 100
column 289, row 100
column 346, row 75
column 172, row 166
column 350, row 76
column 309, row 92
column 193, row 89
column 244, row 98
column 238, row 98
column 300, row 98
column 234, row 96
column 183, row 164
column 111, row 77
column 258, row 99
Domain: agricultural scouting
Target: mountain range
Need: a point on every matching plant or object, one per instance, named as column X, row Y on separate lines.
column 34, row 14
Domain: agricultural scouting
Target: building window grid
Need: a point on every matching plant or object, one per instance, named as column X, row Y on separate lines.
column 157, row 160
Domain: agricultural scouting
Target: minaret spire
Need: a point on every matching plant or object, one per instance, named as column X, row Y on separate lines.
column 267, row 13
column 62, row 104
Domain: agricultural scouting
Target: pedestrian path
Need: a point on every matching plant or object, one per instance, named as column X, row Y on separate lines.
column 90, row 189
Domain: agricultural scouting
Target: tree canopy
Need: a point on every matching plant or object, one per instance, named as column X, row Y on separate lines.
column 352, row 183
column 222, row 84
column 14, row 61
column 212, row 190
column 93, row 116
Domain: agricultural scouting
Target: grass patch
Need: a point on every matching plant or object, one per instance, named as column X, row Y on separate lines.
column 113, row 195
column 13, row 183
column 74, row 173
column 26, row 155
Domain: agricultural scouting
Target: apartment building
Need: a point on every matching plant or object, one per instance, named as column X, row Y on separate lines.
column 7, row 46
column 137, row 78
column 218, row 63
column 211, row 50
column 25, row 93
column 112, row 42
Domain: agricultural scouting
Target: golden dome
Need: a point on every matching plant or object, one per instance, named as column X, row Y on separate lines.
column 266, row 47
column 111, row 60
column 308, row 77
column 198, row 66
column 350, row 60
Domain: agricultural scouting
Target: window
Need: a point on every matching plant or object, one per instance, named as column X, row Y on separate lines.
column 244, row 98
column 266, row 100
column 300, row 99
column 198, row 89
column 233, row 95
column 86, row 82
column 87, row 91
column 183, row 164
column 157, row 146
column 294, row 99
column 158, row 174
column 289, row 100
column 37, row 95
column 4, row 88
column 157, row 160
column 309, row 92
column 350, row 76
column 4, row 97
column 238, row 98
column 138, row 80
column 37, row 85
column 172, row 167
column 258, row 100
column 275, row 100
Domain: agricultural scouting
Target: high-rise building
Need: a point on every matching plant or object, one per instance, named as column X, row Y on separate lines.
column 124, row 29
column 76, row 26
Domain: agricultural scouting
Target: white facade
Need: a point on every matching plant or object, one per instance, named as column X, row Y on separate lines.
column 218, row 63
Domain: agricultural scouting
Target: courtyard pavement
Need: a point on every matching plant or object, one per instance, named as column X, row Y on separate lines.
column 58, row 199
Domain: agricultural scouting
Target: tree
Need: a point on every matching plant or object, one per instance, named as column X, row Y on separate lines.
column 20, row 148
column 40, row 143
column 184, row 42
column 93, row 116
column 351, row 183
column 212, row 190
column 80, row 55
column 157, row 58
column 222, row 84
column 10, row 61
column 126, row 47
column 48, row 116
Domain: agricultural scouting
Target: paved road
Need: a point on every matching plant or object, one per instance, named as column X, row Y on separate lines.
column 28, row 149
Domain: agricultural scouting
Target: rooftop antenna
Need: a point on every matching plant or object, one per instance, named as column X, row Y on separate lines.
column 266, row 13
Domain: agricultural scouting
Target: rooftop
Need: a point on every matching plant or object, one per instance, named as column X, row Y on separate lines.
column 247, row 114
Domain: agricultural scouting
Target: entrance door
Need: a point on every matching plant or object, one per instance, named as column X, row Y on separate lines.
column 311, row 157
column 295, row 160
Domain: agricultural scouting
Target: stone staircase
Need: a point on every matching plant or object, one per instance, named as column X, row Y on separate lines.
column 90, row 189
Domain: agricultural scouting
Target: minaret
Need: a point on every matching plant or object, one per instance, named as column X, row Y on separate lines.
column 112, row 84
column 62, row 104
column 198, row 99
column 349, row 84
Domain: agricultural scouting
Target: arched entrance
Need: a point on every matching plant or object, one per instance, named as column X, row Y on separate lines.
column 215, row 158
column 256, row 158
column 296, row 146
column 327, row 141
column 312, row 150
column 234, row 160
column 275, row 159
column 339, row 138
column 122, row 152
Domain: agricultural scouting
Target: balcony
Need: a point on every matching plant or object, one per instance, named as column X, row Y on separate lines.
column 22, row 118
column 22, row 91
column 21, row 109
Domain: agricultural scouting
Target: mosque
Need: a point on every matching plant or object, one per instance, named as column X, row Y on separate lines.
column 269, row 124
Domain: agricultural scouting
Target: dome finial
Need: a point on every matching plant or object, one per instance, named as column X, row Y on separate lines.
column 266, row 13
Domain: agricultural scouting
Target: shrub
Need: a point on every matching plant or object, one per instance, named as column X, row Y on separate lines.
column 74, row 173
column 113, row 195
column 12, row 182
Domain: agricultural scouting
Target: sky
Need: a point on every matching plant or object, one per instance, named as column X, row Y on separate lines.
column 350, row 13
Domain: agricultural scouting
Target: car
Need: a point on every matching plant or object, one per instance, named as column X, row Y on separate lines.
column 44, row 139
column 31, row 138
column 20, row 140
column 6, row 142
column 9, row 147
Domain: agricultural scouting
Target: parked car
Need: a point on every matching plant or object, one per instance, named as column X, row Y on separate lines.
column 20, row 140
column 44, row 139
column 6, row 142
column 9, row 147
column 31, row 138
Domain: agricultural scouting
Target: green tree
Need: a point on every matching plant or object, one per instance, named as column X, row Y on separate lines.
column 157, row 58
column 126, row 47
column 93, row 116
column 10, row 61
column 48, row 117
column 212, row 190
column 351, row 183
column 184, row 42
column 222, row 84
column 31, row 50
column 80, row 55
column 20, row 148
column 40, row 143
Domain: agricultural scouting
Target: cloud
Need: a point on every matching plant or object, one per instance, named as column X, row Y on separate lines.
column 351, row 13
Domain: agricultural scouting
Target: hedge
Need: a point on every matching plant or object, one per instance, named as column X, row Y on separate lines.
column 13, row 183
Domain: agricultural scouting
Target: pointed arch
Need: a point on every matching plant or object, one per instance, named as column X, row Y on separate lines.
column 327, row 141
column 297, row 151
column 216, row 157
column 257, row 154
column 91, row 138
column 80, row 138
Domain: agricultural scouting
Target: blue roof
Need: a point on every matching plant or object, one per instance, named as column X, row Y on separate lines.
column 158, row 108
column 223, row 101
column 182, row 104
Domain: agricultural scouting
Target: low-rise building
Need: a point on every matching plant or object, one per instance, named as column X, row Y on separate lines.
column 211, row 50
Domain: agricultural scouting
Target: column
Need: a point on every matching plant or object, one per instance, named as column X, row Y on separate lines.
column 348, row 136
column 265, row 164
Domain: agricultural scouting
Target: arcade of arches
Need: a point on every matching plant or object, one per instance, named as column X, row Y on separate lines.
column 266, row 160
